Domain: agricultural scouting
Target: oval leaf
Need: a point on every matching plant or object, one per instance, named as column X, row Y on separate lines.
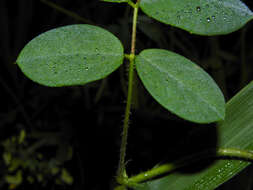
column 199, row 16
column 180, row 86
column 71, row 55
column 236, row 131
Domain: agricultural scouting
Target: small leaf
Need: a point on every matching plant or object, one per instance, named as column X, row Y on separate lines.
column 180, row 86
column 71, row 55
column 199, row 16
column 21, row 137
column 14, row 179
column 66, row 177
column 7, row 158
column 236, row 131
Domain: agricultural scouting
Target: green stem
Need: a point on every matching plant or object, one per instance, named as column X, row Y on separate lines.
column 127, row 56
column 235, row 153
column 66, row 12
column 131, row 3
column 121, row 176
column 156, row 171
column 166, row 168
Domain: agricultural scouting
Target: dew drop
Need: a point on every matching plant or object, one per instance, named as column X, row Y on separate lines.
column 86, row 68
column 198, row 8
column 208, row 19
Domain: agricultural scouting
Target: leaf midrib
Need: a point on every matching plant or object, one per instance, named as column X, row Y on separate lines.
column 181, row 83
column 68, row 55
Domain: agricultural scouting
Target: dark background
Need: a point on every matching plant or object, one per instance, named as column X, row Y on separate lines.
column 89, row 118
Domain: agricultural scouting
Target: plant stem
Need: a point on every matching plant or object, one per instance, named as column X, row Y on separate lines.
column 127, row 56
column 166, row 168
column 66, row 12
column 235, row 153
column 131, row 3
column 121, row 175
column 135, row 16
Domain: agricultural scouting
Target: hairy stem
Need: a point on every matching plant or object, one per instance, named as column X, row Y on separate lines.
column 121, row 176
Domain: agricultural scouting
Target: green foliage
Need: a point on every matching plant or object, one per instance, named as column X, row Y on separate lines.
column 199, row 16
column 180, row 86
column 66, row 177
column 71, row 55
column 79, row 54
column 21, row 157
column 14, row 179
column 235, row 133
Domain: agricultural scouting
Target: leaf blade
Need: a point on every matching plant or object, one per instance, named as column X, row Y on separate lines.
column 71, row 55
column 211, row 17
column 180, row 86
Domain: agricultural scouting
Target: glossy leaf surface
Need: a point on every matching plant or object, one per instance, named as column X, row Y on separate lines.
column 204, row 17
column 236, row 131
column 71, row 55
column 180, row 86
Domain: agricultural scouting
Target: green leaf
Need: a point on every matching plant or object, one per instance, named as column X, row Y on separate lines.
column 180, row 86
column 66, row 177
column 236, row 131
column 21, row 137
column 7, row 158
column 14, row 179
column 202, row 17
column 71, row 55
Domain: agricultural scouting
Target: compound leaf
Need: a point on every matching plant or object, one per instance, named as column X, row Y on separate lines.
column 71, row 55
column 180, row 86
column 204, row 17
